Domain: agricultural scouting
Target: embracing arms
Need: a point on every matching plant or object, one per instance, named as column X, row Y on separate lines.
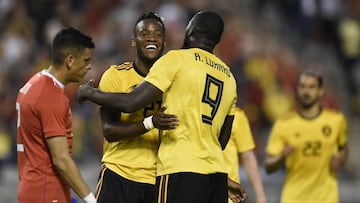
column 143, row 94
column 115, row 130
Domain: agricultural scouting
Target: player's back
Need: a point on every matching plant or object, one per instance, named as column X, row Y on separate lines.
column 200, row 89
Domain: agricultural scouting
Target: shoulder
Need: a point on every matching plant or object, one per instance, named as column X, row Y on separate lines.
column 117, row 69
column 173, row 54
column 239, row 112
column 123, row 66
column 288, row 116
column 333, row 113
column 120, row 67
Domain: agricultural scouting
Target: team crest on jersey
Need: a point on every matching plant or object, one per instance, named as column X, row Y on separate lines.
column 326, row 130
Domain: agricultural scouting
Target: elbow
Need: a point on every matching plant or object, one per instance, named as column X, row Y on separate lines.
column 269, row 167
column 268, row 170
column 60, row 162
column 131, row 107
column 108, row 133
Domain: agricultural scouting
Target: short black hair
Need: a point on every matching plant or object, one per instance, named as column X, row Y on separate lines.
column 314, row 74
column 69, row 38
column 209, row 25
column 149, row 15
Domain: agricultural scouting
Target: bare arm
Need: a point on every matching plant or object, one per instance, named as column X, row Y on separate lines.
column 251, row 166
column 143, row 94
column 66, row 166
column 340, row 158
column 114, row 130
column 226, row 131
column 274, row 163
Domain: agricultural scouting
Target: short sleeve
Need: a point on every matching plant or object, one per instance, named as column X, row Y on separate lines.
column 276, row 142
column 241, row 132
column 109, row 81
column 163, row 71
column 55, row 116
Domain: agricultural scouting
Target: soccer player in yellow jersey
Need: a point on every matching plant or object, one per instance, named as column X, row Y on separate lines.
column 130, row 146
column 241, row 143
column 312, row 143
column 199, row 88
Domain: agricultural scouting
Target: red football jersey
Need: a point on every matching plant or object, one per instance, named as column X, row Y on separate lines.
column 43, row 112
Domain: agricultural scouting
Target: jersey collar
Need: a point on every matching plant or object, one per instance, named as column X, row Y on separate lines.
column 56, row 81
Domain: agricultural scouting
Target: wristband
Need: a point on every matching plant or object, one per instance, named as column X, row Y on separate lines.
column 90, row 198
column 148, row 123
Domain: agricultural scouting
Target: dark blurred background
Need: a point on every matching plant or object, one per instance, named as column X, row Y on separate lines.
column 267, row 43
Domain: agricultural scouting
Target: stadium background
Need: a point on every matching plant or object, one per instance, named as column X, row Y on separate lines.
column 266, row 43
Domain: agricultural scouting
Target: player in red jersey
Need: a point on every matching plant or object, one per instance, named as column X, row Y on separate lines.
column 44, row 124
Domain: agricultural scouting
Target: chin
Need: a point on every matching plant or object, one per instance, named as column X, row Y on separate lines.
column 151, row 59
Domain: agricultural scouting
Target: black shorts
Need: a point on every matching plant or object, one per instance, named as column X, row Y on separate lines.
column 189, row 187
column 113, row 188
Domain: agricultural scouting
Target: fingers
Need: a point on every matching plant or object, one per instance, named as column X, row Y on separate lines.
column 82, row 91
column 162, row 109
column 90, row 83
column 243, row 196
column 165, row 121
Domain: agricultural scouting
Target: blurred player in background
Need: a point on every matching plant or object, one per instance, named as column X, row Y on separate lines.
column 241, row 143
column 44, row 125
column 311, row 143
column 130, row 146
column 199, row 88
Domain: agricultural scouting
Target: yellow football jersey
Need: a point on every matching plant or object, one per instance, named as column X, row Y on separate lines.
column 200, row 89
column 309, row 178
column 133, row 158
column 241, row 140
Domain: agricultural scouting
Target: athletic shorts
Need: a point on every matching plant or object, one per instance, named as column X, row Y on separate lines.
column 113, row 188
column 189, row 187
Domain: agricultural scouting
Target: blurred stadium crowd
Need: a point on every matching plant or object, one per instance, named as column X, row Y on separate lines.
column 266, row 43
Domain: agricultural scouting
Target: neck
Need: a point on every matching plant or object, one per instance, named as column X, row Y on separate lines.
column 55, row 71
column 198, row 43
column 144, row 67
column 310, row 112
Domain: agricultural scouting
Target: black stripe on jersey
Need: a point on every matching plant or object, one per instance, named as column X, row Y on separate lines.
column 125, row 66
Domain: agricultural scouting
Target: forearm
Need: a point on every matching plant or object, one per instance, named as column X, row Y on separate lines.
column 343, row 155
column 114, row 133
column 252, row 170
column 69, row 171
column 274, row 163
column 116, row 101
column 143, row 94
column 338, row 160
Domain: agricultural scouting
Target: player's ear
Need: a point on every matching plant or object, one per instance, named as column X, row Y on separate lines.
column 69, row 60
column 133, row 43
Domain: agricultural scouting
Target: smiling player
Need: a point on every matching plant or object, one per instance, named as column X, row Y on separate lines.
column 130, row 146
